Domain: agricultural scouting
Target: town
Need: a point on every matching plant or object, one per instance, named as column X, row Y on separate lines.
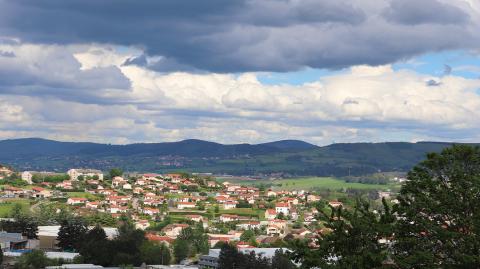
column 164, row 206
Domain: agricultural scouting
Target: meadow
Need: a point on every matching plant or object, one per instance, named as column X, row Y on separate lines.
column 309, row 183
column 6, row 206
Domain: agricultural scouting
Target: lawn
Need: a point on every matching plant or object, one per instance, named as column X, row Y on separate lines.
column 87, row 195
column 309, row 183
column 6, row 206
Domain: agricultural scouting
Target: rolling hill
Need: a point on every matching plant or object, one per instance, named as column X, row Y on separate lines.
column 290, row 157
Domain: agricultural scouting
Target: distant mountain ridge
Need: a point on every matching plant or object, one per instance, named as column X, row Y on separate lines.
column 186, row 148
column 292, row 157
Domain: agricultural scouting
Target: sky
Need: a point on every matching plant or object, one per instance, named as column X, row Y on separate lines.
column 240, row 71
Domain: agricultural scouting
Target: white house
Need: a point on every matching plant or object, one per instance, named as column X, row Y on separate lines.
column 185, row 205
column 270, row 214
column 228, row 218
column 230, row 205
column 76, row 201
column 27, row 177
column 75, row 173
column 282, row 208
column 151, row 211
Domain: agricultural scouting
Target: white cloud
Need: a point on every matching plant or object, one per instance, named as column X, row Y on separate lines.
column 360, row 104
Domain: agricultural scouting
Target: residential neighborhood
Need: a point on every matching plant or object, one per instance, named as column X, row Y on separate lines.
column 163, row 205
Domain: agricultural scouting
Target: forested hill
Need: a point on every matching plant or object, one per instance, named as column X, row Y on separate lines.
column 287, row 156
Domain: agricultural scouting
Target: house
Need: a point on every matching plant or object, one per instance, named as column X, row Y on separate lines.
column 118, row 209
column 281, row 224
column 213, row 240
column 93, row 182
column 282, row 208
column 242, row 244
column 175, row 178
column 5, row 170
column 173, row 230
column 273, row 230
column 141, row 182
column 211, row 184
column 195, row 218
column 384, row 194
column 159, row 239
column 127, row 186
column 92, row 205
column 89, row 173
column 27, row 177
column 249, row 225
column 118, row 182
column 313, row 198
column 335, row 204
column 142, row 224
column 76, row 201
column 151, row 211
column 228, row 218
column 39, row 192
column 10, row 191
column 271, row 193
column 138, row 190
column 230, row 204
column 66, row 185
column 12, row 241
column 185, row 205
column 270, row 214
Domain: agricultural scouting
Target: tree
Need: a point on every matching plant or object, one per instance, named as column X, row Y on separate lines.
column 353, row 241
column 247, row 236
column 152, row 253
column 95, row 235
column 96, row 248
column 25, row 225
column 439, row 217
column 71, row 234
column 34, row 259
column 281, row 261
column 1, row 258
column 116, row 172
column 181, row 249
column 229, row 257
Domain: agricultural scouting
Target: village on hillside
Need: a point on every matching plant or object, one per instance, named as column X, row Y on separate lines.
column 250, row 217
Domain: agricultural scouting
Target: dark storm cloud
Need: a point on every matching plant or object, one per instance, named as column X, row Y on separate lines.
column 245, row 35
column 424, row 11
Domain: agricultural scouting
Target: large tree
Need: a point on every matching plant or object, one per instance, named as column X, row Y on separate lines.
column 71, row 234
column 153, row 253
column 352, row 239
column 439, row 213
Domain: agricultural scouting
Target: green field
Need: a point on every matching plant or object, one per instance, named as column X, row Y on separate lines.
column 6, row 206
column 87, row 195
column 310, row 183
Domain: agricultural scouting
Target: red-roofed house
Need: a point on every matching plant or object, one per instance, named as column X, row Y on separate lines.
column 270, row 214
column 282, row 208
column 228, row 218
column 76, row 201
column 184, row 205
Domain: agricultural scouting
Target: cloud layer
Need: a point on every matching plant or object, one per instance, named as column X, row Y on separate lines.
column 251, row 35
column 81, row 92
